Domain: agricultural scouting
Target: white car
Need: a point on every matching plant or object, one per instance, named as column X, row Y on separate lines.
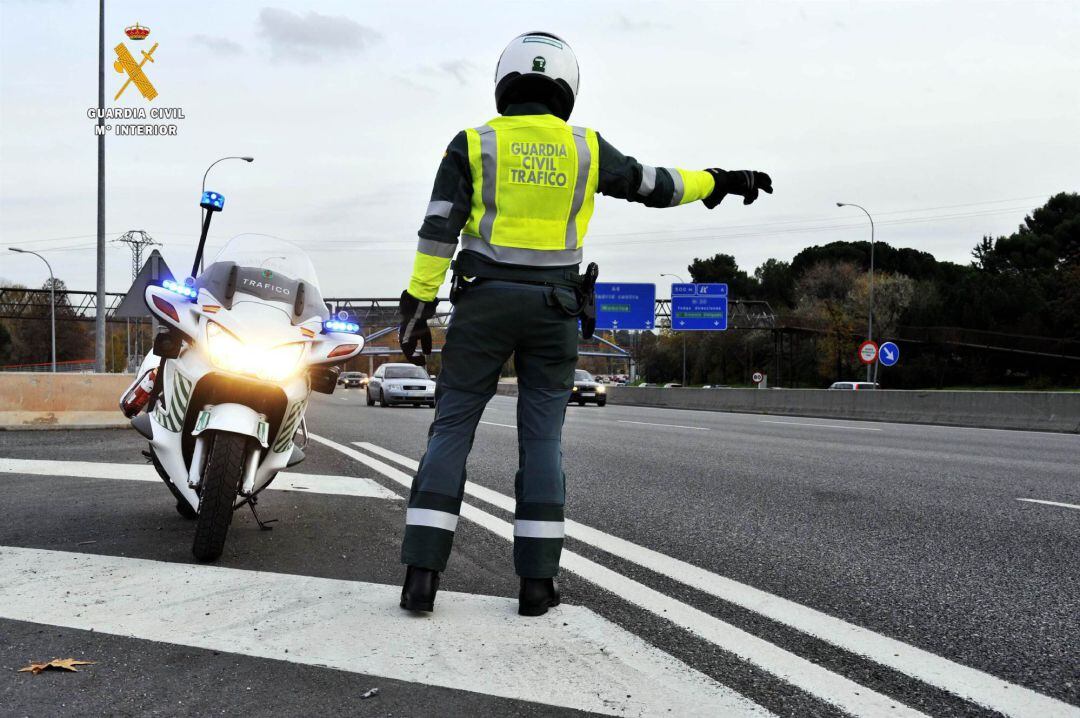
column 401, row 384
column 853, row 386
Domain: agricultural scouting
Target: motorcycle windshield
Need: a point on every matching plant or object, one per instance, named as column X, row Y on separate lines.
column 267, row 268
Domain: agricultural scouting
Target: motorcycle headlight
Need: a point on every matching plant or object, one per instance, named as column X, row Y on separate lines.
column 227, row 352
column 280, row 362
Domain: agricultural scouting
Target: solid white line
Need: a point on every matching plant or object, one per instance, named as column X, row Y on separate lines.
column 1051, row 503
column 832, row 688
column 285, row 481
column 819, row 426
column 673, row 426
column 968, row 683
column 474, row 643
column 492, row 423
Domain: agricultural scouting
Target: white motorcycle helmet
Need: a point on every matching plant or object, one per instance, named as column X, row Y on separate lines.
column 537, row 67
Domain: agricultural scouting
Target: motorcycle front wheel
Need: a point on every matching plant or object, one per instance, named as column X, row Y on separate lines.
column 217, row 493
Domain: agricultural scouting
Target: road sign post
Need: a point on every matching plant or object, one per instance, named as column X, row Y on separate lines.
column 699, row 307
column 625, row 306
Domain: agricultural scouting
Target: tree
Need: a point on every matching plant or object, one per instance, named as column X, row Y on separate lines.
column 724, row 269
column 824, row 302
column 776, row 283
column 32, row 333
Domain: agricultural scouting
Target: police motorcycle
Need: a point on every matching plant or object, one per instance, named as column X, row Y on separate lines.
column 243, row 345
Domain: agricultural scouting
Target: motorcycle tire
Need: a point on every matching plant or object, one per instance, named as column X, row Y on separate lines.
column 370, row 401
column 217, row 493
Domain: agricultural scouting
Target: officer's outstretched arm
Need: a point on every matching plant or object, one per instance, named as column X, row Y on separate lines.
column 626, row 178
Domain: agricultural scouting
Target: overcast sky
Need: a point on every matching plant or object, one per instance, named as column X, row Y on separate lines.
column 946, row 120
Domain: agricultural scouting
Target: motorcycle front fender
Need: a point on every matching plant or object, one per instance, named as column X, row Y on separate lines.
column 235, row 419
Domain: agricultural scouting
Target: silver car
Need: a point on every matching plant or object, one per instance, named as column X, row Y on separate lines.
column 401, row 384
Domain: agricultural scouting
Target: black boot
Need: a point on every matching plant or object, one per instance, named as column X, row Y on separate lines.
column 418, row 593
column 537, row 596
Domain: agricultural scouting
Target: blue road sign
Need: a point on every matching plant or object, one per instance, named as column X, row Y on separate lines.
column 625, row 306
column 699, row 307
column 888, row 354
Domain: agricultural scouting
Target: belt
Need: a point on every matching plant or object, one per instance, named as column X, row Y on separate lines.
column 468, row 264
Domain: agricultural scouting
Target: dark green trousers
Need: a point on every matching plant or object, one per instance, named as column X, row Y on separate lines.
column 491, row 322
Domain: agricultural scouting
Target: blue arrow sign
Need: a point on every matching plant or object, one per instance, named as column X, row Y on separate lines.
column 625, row 306
column 699, row 307
column 888, row 354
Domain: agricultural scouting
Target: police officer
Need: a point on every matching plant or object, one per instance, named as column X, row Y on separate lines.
column 519, row 191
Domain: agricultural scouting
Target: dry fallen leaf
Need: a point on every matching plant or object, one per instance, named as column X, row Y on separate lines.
column 66, row 664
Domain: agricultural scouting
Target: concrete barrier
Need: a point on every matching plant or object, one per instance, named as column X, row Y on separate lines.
column 1029, row 411
column 61, row 401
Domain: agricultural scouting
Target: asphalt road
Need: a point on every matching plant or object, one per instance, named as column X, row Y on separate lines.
column 731, row 563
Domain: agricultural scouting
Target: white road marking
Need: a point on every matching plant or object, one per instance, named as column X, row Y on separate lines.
column 968, row 683
column 574, row 659
column 819, row 426
column 285, row 481
column 830, row 687
column 492, row 423
column 1051, row 503
column 673, row 426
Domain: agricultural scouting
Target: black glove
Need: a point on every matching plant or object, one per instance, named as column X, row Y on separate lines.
column 744, row 183
column 414, row 328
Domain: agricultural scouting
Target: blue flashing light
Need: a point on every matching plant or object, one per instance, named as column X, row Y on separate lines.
column 181, row 289
column 335, row 325
column 213, row 201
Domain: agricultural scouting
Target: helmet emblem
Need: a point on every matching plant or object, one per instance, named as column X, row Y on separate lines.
column 539, row 63
column 267, row 274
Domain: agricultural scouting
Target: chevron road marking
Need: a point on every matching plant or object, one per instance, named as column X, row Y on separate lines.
column 285, row 481
column 815, row 680
column 968, row 683
column 476, row 643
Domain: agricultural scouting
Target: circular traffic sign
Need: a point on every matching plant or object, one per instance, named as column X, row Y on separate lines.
column 888, row 353
column 757, row 377
column 868, row 352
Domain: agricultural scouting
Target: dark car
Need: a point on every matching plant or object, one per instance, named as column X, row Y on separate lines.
column 353, row 379
column 587, row 389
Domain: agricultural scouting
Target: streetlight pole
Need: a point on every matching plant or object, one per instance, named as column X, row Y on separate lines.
column 870, row 319
column 202, row 212
column 681, row 281
column 52, row 298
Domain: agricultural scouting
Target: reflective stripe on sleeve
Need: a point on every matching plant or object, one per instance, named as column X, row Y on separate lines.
column 431, row 517
column 436, row 249
column 439, row 208
column 584, row 161
column 648, row 181
column 538, row 529
column 489, row 151
column 676, row 178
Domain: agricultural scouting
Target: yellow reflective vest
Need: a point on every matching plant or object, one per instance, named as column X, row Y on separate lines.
column 534, row 180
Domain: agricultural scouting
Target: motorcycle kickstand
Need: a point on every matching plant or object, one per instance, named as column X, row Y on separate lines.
column 263, row 525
